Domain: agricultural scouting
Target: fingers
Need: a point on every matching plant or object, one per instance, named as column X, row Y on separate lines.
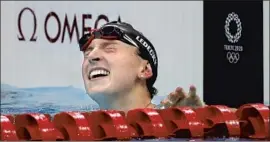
column 173, row 98
column 194, row 98
column 166, row 103
column 181, row 93
column 191, row 100
column 192, row 91
column 176, row 95
column 180, row 98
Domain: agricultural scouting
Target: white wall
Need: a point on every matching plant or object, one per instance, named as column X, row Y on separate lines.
column 41, row 63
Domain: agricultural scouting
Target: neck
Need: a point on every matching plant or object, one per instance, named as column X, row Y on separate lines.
column 137, row 97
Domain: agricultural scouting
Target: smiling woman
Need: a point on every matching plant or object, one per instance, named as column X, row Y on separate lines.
column 117, row 69
column 120, row 69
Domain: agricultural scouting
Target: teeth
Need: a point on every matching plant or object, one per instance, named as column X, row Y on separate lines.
column 98, row 72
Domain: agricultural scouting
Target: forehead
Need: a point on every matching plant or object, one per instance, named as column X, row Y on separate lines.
column 98, row 42
column 101, row 41
column 118, row 43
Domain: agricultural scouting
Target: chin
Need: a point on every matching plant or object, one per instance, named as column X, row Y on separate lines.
column 104, row 89
column 97, row 90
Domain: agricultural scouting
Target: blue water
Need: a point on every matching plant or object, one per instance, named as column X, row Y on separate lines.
column 44, row 100
column 49, row 100
column 52, row 100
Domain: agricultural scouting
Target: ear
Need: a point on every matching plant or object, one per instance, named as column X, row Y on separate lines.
column 146, row 71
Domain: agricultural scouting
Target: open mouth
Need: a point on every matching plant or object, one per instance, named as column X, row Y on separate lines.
column 98, row 73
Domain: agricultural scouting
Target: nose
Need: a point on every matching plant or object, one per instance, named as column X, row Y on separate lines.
column 93, row 60
column 94, row 56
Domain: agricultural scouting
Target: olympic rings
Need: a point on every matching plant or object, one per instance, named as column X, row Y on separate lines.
column 233, row 57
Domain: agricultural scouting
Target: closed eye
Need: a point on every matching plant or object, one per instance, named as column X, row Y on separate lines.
column 110, row 47
column 88, row 50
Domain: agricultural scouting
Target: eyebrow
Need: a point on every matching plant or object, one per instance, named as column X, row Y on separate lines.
column 105, row 43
